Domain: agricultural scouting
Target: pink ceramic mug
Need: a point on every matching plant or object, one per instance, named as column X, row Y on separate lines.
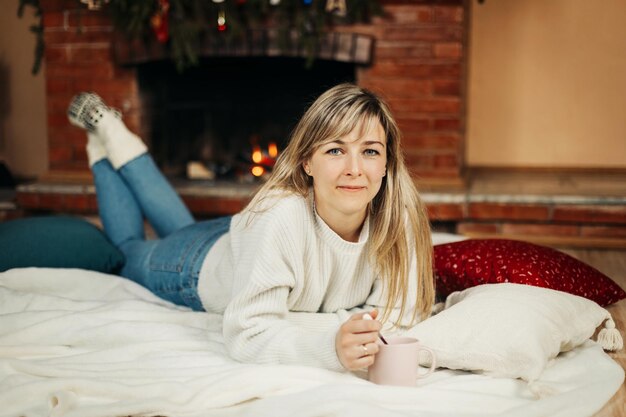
column 397, row 363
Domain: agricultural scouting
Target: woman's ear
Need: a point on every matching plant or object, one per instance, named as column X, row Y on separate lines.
column 306, row 167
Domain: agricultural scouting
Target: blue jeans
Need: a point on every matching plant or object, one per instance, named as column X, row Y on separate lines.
column 168, row 266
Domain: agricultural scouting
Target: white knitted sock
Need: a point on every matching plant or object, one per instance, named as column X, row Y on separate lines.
column 122, row 145
column 95, row 149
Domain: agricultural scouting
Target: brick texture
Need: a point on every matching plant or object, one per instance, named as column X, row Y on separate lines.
column 508, row 211
column 469, row 228
column 419, row 70
column 591, row 214
column 604, row 231
column 209, row 207
column 539, row 229
column 78, row 58
column 442, row 212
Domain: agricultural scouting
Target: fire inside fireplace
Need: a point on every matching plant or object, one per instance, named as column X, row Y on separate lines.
column 228, row 118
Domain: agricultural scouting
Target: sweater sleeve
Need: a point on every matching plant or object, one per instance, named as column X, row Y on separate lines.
column 258, row 326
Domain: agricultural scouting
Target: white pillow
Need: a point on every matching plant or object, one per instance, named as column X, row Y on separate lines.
column 508, row 330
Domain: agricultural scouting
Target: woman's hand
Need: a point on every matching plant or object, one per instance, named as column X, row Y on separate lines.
column 356, row 341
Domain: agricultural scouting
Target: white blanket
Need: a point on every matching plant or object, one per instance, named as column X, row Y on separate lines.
column 81, row 343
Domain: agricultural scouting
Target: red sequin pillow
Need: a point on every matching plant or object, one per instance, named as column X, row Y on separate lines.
column 468, row 263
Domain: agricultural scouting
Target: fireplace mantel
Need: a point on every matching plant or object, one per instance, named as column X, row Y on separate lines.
column 335, row 46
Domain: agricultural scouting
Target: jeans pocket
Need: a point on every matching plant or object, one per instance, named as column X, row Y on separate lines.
column 170, row 253
column 176, row 260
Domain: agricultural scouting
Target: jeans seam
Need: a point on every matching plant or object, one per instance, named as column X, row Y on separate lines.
column 186, row 270
column 178, row 265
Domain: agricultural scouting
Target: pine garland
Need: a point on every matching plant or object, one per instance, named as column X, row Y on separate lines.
column 191, row 21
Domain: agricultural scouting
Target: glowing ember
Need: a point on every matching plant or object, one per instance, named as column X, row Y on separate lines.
column 272, row 150
column 257, row 156
column 257, row 171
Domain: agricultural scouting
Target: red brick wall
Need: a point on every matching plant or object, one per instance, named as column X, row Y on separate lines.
column 78, row 57
column 419, row 67
column 597, row 225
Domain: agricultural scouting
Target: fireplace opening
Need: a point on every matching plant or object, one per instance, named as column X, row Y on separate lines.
column 227, row 118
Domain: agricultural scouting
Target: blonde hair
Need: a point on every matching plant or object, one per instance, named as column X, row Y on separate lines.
column 399, row 225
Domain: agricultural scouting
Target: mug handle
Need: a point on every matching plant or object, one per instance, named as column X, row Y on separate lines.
column 433, row 361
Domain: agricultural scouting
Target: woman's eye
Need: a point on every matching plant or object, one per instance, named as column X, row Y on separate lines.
column 334, row 151
column 371, row 152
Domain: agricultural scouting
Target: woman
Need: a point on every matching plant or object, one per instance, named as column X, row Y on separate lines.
column 337, row 231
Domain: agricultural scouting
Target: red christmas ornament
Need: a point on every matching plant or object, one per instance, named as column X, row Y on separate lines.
column 221, row 21
column 160, row 21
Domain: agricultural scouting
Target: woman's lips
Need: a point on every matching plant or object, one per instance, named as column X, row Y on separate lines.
column 350, row 188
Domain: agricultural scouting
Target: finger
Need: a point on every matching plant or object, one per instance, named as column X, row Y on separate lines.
column 360, row 363
column 367, row 349
column 362, row 326
column 357, row 316
column 373, row 348
column 356, row 356
column 357, row 340
column 374, row 314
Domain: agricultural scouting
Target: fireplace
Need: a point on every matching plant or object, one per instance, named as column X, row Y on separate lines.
column 417, row 64
column 215, row 116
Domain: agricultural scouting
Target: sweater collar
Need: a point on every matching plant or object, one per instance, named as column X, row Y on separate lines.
column 330, row 236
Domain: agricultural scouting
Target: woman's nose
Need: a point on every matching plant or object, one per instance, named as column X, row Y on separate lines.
column 353, row 165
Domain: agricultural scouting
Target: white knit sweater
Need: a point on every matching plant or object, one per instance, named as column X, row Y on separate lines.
column 285, row 282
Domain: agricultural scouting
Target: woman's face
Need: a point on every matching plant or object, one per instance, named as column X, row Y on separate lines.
column 347, row 173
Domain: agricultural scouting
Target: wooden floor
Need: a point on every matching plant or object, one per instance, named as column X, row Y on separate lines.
column 613, row 264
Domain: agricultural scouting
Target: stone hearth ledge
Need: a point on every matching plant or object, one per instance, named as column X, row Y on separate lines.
column 246, row 191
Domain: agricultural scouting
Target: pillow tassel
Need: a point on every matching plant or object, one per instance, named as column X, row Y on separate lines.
column 609, row 337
